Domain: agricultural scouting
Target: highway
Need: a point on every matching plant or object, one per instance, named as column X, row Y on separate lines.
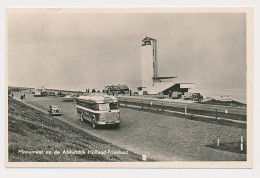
column 160, row 137
column 202, row 107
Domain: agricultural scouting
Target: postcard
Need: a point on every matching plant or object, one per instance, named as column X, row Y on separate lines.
column 129, row 87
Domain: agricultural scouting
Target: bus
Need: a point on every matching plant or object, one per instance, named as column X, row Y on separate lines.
column 116, row 88
column 40, row 91
column 37, row 92
column 98, row 109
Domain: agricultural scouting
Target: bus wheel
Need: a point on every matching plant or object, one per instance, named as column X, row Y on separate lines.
column 81, row 117
column 94, row 123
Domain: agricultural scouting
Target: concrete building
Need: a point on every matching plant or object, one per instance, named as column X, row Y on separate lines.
column 151, row 82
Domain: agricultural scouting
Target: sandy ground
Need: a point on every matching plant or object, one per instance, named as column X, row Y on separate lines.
column 160, row 137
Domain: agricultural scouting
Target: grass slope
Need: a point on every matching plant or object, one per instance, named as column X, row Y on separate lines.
column 32, row 130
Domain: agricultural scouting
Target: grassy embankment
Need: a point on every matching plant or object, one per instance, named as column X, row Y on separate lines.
column 32, row 130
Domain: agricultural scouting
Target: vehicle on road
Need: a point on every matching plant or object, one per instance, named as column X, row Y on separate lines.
column 68, row 98
column 196, row 97
column 176, row 95
column 98, row 109
column 160, row 95
column 225, row 98
column 41, row 91
column 187, row 95
column 37, row 93
column 54, row 111
column 120, row 89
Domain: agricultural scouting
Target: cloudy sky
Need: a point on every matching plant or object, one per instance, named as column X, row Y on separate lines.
column 87, row 50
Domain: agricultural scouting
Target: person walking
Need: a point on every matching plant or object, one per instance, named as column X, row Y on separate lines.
column 170, row 94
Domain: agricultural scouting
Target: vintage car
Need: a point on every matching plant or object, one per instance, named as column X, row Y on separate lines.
column 176, row 95
column 196, row 97
column 187, row 95
column 160, row 95
column 54, row 111
column 225, row 98
column 68, row 98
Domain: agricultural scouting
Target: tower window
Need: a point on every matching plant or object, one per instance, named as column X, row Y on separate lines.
column 148, row 43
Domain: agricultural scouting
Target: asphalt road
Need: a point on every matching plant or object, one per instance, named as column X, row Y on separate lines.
column 160, row 137
column 181, row 104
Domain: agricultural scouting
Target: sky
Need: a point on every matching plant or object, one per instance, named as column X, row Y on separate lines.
column 92, row 50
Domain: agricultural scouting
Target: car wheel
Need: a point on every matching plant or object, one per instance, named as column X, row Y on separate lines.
column 81, row 117
column 116, row 125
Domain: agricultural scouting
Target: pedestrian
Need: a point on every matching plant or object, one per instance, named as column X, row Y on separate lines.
column 21, row 97
column 170, row 93
column 130, row 92
column 24, row 96
column 12, row 95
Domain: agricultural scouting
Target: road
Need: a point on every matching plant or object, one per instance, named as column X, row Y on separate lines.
column 160, row 137
column 188, row 103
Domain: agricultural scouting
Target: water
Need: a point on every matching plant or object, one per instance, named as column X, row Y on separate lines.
column 237, row 91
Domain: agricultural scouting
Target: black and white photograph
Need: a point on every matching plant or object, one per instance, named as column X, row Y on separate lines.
column 129, row 87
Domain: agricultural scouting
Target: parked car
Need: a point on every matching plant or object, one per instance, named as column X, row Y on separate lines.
column 54, row 111
column 225, row 98
column 160, row 95
column 176, row 95
column 196, row 97
column 68, row 98
column 187, row 95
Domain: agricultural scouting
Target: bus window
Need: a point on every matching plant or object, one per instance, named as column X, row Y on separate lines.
column 103, row 107
column 92, row 106
column 113, row 106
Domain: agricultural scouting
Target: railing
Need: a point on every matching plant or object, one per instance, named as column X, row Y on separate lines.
column 203, row 110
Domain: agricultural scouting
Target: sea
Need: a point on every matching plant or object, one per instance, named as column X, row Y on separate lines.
column 237, row 91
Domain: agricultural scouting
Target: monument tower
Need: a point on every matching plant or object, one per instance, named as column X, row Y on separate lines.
column 149, row 61
column 151, row 82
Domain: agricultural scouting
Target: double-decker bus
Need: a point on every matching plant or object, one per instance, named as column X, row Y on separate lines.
column 98, row 109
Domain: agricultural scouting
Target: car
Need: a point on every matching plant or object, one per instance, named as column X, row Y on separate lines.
column 225, row 98
column 160, row 95
column 54, row 111
column 68, row 98
column 187, row 95
column 176, row 95
column 196, row 97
